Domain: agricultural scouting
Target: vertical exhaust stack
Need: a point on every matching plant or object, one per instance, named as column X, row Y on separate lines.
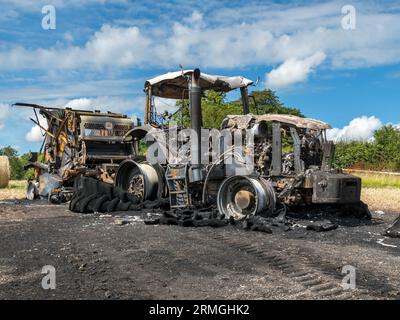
column 245, row 100
column 196, row 123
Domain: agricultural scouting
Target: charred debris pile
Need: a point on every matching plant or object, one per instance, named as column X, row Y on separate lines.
column 394, row 229
column 94, row 196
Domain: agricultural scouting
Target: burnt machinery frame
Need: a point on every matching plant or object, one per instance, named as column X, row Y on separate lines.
column 77, row 142
column 292, row 157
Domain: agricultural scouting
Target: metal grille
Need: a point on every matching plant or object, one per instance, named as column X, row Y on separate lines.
column 99, row 129
column 95, row 126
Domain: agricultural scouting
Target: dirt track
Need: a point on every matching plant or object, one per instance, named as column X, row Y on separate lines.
column 96, row 257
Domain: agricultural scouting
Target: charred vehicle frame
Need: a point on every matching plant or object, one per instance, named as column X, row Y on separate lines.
column 302, row 176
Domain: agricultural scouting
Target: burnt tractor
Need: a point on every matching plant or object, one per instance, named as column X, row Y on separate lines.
column 77, row 143
column 280, row 160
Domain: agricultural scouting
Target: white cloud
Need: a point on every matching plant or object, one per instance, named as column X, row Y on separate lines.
column 294, row 71
column 196, row 18
column 68, row 37
column 4, row 114
column 116, row 46
column 29, row 5
column 81, row 103
column 110, row 46
column 35, row 133
column 359, row 129
column 54, row 89
column 229, row 38
column 106, row 103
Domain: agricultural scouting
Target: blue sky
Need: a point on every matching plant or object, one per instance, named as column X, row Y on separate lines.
column 102, row 51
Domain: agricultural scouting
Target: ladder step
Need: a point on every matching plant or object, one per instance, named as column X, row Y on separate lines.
column 178, row 192
column 177, row 166
column 176, row 178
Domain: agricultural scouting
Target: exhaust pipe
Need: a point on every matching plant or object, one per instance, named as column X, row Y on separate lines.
column 245, row 100
column 196, row 123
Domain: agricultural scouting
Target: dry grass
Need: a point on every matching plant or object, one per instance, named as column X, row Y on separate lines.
column 377, row 180
column 15, row 190
column 385, row 199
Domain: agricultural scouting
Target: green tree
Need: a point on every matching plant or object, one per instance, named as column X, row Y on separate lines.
column 9, row 152
column 383, row 153
column 387, row 140
column 17, row 163
column 268, row 102
column 215, row 108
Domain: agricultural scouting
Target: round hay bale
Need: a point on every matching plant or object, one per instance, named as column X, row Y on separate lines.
column 4, row 171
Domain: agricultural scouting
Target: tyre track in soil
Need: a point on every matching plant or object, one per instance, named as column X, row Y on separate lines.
column 158, row 262
column 372, row 285
column 181, row 264
column 320, row 281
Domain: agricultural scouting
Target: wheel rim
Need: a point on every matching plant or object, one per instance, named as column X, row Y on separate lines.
column 242, row 196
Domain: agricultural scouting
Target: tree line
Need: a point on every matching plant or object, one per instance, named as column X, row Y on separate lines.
column 382, row 153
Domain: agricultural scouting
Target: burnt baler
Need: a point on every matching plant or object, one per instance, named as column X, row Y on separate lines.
column 77, row 142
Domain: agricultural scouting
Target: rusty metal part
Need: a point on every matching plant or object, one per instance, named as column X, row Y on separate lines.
column 308, row 182
column 244, row 199
column 105, row 176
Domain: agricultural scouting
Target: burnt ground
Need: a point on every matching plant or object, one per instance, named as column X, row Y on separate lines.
column 102, row 256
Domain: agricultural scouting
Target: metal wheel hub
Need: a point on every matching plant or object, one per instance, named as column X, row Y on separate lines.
column 242, row 196
column 139, row 179
column 244, row 199
column 136, row 186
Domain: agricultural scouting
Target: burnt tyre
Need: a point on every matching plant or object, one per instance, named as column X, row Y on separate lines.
column 242, row 196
